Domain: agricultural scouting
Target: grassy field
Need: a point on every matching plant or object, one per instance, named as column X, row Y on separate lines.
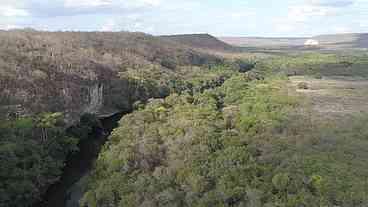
column 335, row 95
column 334, row 142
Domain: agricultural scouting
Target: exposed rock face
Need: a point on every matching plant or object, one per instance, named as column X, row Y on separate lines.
column 71, row 95
column 95, row 99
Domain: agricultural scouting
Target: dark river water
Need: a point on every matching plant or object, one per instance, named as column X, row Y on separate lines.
column 79, row 164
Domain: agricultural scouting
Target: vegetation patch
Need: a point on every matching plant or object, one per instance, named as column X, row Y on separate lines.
column 194, row 150
column 32, row 154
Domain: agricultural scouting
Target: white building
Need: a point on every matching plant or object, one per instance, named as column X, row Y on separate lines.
column 311, row 42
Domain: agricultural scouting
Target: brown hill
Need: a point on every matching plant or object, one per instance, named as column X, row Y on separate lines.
column 89, row 72
column 348, row 40
column 333, row 41
column 201, row 41
column 263, row 41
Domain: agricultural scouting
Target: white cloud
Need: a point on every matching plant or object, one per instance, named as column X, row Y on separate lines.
column 151, row 2
column 9, row 27
column 305, row 18
column 242, row 14
column 111, row 3
column 304, row 13
column 109, row 26
column 137, row 25
column 284, row 28
column 341, row 29
column 10, row 11
column 298, row 17
column 314, row 9
column 86, row 3
column 363, row 24
column 101, row 3
column 332, row 3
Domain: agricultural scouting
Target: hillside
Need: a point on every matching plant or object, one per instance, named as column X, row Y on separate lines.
column 56, row 86
column 352, row 40
column 329, row 42
column 263, row 41
column 201, row 41
column 86, row 72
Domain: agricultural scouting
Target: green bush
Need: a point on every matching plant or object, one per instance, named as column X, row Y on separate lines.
column 318, row 76
column 32, row 154
column 281, row 181
column 303, row 85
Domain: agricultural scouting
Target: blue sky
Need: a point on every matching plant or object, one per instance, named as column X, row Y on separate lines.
column 217, row 17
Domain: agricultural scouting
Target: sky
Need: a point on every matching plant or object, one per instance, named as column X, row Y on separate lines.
column 268, row 18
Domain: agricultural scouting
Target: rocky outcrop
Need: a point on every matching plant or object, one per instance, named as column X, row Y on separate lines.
column 94, row 99
column 72, row 96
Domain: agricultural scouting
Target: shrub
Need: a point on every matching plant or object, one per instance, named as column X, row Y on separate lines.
column 244, row 66
column 303, row 85
column 280, row 181
column 318, row 76
column 168, row 63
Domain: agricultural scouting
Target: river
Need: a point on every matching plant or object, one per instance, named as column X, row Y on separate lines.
column 64, row 193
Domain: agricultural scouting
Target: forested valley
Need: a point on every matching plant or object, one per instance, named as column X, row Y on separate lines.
column 206, row 124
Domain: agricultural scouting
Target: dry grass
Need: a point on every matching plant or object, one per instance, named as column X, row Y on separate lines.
column 334, row 96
